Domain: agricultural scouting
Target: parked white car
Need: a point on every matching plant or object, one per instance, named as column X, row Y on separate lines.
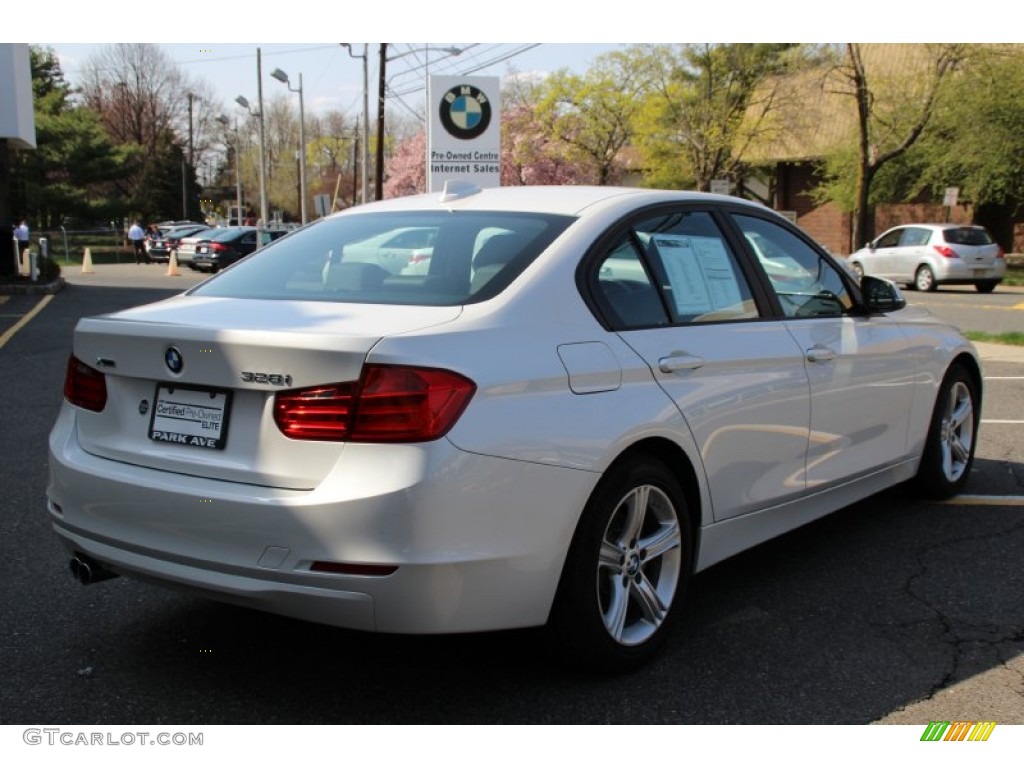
column 926, row 256
column 591, row 394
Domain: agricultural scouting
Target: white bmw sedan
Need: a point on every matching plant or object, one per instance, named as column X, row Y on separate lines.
column 591, row 394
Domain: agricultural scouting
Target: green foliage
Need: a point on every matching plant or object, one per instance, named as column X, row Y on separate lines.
column 49, row 270
column 74, row 159
column 978, row 140
column 705, row 104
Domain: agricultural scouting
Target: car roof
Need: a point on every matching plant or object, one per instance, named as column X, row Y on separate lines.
column 567, row 200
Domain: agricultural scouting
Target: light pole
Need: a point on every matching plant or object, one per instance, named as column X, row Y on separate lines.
column 244, row 103
column 282, row 76
column 384, row 59
column 365, row 173
column 225, row 121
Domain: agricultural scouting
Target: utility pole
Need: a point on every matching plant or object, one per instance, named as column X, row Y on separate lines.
column 378, row 183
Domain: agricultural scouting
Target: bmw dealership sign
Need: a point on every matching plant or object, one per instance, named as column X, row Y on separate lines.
column 464, row 140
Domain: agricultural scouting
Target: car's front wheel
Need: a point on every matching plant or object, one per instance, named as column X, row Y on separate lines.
column 627, row 568
column 924, row 279
column 949, row 450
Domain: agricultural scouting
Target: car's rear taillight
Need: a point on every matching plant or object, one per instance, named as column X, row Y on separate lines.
column 1000, row 254
column 218, row 247
column 389, row 404
column 84, row 386
column 945, row 251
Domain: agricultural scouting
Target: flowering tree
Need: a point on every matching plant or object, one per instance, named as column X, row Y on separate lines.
column 406, row 172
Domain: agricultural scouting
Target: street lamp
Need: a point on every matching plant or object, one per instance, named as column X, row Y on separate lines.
column 244, row 103
column 365, row 172
column 258, row 112
column 384, row 59
column 226, row 121
column 281, row 76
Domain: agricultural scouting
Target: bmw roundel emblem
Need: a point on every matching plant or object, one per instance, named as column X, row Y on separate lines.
column 175, row 362
column 465, row 111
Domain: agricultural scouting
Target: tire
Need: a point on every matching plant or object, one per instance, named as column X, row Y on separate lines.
column 924, row 279
column 625, row 573
column 952, row 436
column 986, row 287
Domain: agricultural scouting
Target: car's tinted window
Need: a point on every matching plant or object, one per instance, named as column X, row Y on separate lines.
column 967, row 236
column 806, row 283
column 889, row 239
column 347, row 258
column 683, row 253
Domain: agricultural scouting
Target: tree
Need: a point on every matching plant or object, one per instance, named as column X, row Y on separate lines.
column 406, row 169
column 977, row 137
column 592, row 114
column 530, row 153
column 707, row 104
column 74, row 163
column 147, row 104
column 893, row 108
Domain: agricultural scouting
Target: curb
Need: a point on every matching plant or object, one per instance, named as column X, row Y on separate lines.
column 31, row 289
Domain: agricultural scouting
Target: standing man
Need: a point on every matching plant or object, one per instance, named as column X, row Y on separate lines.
column 138, row 238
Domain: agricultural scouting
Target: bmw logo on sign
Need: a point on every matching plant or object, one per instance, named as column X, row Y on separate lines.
column 465, row 112
column 175, row 362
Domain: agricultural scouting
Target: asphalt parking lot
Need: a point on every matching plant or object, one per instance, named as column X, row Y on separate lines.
column 891, row 611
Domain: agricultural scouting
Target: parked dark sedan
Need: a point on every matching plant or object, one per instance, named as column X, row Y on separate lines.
column 228, row 246
column 160, row 247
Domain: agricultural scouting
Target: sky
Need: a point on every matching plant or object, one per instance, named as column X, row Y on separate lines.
column 332, row 79
column 217, row 42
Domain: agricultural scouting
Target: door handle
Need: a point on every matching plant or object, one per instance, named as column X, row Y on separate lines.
column 679, row 361
column 818, row 354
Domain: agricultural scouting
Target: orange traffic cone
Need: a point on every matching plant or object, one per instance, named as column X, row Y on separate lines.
column 172, row 264
column 87, row 263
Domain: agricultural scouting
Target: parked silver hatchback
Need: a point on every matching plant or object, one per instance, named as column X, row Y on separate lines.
column 926, row 256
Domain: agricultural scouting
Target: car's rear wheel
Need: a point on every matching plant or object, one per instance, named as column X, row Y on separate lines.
column 924, row 279
column 627, row 568
column 987, row 287
column 949, row 451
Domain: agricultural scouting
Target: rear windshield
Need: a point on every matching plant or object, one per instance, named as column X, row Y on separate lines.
column 967, row 236
column 229, row 234
column 438, row 258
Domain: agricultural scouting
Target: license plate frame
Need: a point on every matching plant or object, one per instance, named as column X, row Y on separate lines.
column 190, row 416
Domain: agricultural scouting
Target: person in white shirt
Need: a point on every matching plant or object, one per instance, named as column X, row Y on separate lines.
column 138, row 237
column 21, row 235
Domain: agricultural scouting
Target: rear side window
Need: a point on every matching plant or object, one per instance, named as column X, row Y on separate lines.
column 438, row 258
column 913, row 236
column 967, row 236
column 673, row 268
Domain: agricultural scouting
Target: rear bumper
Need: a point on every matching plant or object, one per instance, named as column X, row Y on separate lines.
column 477, row 542
column 954, row 271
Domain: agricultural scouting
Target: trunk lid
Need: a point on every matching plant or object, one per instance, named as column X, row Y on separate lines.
column 213, row 418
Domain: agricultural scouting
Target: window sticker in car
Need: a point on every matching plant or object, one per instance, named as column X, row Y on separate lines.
column 699, row 271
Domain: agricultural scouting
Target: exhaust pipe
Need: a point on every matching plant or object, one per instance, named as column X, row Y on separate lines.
column 88, row 571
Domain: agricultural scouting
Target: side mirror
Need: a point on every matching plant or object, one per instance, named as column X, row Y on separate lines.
column 880, row 295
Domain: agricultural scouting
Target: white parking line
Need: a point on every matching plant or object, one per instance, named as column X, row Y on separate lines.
column 1003, row 378
column 1002, row 421
column 987, row 501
